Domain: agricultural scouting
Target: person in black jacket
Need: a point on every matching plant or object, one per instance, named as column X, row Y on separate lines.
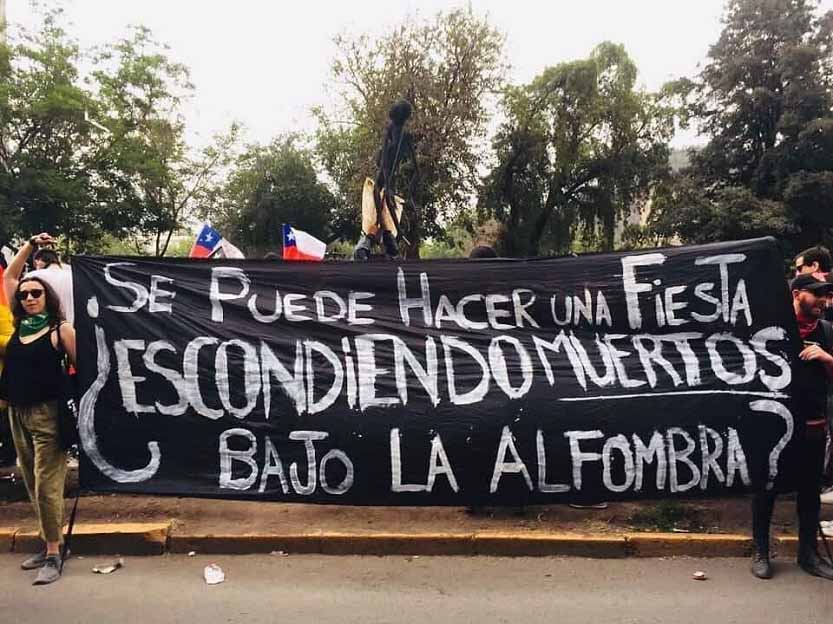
column 811, row 378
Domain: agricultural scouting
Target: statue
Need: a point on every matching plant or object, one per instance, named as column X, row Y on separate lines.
column 381, row 207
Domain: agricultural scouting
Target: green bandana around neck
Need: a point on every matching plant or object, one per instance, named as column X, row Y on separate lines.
column 33, row 324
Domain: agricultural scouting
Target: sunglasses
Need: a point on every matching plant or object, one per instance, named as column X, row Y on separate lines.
column 34, row 293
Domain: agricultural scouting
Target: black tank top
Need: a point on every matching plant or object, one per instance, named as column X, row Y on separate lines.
column 32, row 373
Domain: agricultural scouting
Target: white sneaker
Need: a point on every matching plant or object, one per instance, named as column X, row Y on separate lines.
column 827, row 498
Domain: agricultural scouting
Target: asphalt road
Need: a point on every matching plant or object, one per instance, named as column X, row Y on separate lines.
column 432, row 590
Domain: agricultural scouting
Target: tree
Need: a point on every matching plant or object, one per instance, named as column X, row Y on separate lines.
column 154, row 181
column 108, row 159
column 47, row 150
column 447, row 68
column 269, row 186
column 580, row 145
column 683, row 208
column 764, row 99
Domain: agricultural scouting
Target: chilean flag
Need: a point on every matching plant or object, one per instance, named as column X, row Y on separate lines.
column 206, row 243
column 298, row 245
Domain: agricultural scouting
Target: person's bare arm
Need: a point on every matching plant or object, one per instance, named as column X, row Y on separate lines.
column 11, row 276
column 814, row 353
column 66, row 334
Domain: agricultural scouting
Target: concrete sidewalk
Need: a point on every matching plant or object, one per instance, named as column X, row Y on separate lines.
column 133, row 525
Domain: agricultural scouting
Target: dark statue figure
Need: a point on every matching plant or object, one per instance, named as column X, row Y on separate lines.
column 380, row 222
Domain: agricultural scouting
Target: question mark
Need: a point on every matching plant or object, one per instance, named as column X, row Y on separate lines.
column 86, row 424
column 774, row 407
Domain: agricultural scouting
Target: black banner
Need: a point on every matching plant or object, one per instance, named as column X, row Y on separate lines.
column 616, row 376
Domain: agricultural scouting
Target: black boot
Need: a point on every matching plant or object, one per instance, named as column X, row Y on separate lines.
column 808, row 556
column 811, row 563
column 762, row 505
column 808, row 528
column 761, row 567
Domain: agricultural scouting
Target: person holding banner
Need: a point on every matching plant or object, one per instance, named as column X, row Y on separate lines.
column 811, row 379
column 43, row 258
column 30, row 385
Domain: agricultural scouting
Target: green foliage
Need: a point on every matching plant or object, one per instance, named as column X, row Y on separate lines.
column 47, row 151
column 456, row 242
column 101, row 158
column 447, row 68
column 180, row 246
column 764, row 99
column 87, row 157
column 154, row 181
column 581, row 144
column 683, row 208
column 269, row 186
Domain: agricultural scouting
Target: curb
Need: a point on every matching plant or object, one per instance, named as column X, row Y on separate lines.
column 7, row 538
column 104, row 539
column 554, row 544
column 157, row 539
column 247, row 544
column 426, row 544
column 787, row 546
column 688, row 545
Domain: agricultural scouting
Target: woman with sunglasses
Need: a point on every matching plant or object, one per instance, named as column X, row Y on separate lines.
column 30, row 384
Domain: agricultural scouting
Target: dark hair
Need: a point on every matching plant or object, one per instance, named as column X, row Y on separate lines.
column 400, row 112
column 47, row 256
column 53, row 305
column 482, row 251
column 817, row 254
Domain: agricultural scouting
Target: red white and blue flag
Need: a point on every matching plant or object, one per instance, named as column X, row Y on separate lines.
column 298, row 245
column 207, row 241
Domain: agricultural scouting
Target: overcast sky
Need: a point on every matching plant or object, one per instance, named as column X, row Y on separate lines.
column 265, row 62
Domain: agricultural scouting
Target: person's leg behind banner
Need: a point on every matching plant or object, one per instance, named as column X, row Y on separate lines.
column 808, row 504
column 763, row 503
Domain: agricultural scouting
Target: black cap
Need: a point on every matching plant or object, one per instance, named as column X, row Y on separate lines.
column 810, row 283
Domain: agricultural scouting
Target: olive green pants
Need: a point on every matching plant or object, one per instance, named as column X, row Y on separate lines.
column 43, row 463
